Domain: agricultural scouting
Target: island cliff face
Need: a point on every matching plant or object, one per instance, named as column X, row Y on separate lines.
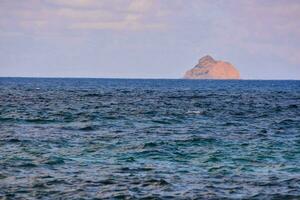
column 208, row 68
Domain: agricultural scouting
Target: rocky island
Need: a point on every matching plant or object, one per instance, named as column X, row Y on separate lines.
column 209, row 68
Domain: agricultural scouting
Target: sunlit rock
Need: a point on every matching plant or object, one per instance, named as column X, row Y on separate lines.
column 209, row 68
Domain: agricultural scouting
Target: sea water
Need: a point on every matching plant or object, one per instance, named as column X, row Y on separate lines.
column 156, row 139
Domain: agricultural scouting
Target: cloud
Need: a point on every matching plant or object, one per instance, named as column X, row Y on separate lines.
column 131, row 17
column 141, row 6
column 81, row 3
column 256, row 27
column 44, row 16
column 271, row 28
column 253, row 26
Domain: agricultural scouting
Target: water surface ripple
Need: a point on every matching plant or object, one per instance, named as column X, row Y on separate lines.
column 152, row 139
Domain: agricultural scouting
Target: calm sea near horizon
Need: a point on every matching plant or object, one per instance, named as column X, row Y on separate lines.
column 69, row 138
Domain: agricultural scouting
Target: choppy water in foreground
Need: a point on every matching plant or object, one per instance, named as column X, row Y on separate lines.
column 160, row 139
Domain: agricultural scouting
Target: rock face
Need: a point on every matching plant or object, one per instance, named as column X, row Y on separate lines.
column 208, row 68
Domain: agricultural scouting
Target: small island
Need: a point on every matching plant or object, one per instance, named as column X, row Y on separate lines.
column 209, row 68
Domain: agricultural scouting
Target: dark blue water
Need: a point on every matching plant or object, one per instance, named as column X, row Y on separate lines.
column 155, row 139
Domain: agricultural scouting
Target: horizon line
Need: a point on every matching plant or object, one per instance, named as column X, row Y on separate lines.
column 143, row 78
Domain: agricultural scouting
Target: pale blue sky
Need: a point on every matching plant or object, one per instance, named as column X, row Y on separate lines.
column 148, row 38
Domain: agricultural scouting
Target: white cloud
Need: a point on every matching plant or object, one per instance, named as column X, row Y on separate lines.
column 141, row 6
column 76, row 3
column 129, row 17
column 58, row 15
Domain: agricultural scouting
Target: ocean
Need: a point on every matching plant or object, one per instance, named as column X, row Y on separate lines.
column 68, row 138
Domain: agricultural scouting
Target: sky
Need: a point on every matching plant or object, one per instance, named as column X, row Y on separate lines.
column 148, row 38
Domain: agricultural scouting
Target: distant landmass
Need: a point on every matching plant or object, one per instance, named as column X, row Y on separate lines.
column 209, row 68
